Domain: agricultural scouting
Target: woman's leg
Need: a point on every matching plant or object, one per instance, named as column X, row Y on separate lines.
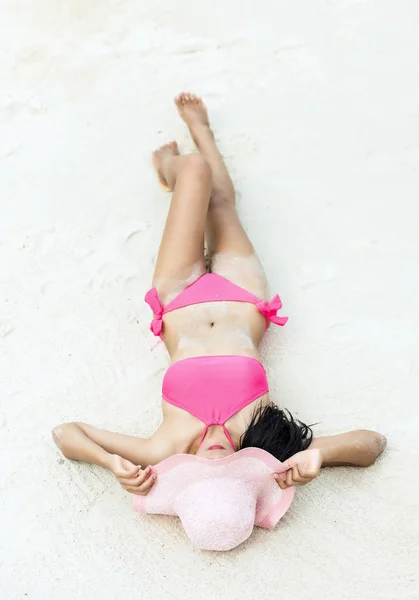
column 181, row 255
column 233, row 255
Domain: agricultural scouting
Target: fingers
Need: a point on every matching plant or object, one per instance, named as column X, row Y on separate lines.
column 303, row 467
column 294, row 477
column 125, row 473
column 132, row 472
column 291, row 478
column 291, row 462
column 143, row 489
column 138, row 479
column 298, row 478
column 281, row 481
column 141, row 483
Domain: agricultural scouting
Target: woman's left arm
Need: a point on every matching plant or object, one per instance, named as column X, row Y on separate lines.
column 358, row 448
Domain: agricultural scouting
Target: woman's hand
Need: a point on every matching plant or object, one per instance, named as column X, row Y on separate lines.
column 132, row 478
column 303, row 468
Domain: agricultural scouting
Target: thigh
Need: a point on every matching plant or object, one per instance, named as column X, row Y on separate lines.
column 232, row 253
column 181, row 258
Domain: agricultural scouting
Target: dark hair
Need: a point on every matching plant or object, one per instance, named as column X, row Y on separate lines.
column 277, row 432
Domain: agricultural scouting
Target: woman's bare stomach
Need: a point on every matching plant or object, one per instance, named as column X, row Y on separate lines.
column 213, row 328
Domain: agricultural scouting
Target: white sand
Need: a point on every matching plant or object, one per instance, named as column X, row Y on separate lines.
column 316, row 107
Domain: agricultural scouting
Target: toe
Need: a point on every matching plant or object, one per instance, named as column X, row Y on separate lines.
column 179, row 100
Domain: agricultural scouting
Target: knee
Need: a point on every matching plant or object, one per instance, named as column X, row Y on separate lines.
column 197, row 165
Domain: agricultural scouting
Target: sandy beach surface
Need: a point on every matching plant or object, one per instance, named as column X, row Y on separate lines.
column 315, row 105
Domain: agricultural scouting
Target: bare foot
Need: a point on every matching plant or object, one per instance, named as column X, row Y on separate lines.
column 192, row 110
column 161, row 161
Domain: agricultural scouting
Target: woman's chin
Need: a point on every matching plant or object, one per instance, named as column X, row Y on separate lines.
column 214, row 454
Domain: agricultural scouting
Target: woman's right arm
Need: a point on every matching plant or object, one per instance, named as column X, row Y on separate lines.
column 123, row 455
column 79, row 441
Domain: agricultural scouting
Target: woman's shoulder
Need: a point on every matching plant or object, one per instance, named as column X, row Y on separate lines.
column 168, row 440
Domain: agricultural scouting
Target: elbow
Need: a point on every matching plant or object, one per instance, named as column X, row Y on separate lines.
column 60, row 435
column 371, row 444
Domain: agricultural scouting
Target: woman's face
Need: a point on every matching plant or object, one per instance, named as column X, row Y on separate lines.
column 215, row 445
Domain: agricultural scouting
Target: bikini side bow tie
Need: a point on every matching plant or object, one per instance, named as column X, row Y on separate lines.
column 152, row 299
column 270, row 309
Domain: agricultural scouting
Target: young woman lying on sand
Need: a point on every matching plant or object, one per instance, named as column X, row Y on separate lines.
column 225, row 457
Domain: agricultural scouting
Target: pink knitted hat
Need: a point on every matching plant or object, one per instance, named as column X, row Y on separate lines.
column 218, row 501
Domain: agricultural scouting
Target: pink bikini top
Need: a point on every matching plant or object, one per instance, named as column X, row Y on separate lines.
column 213, row 388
